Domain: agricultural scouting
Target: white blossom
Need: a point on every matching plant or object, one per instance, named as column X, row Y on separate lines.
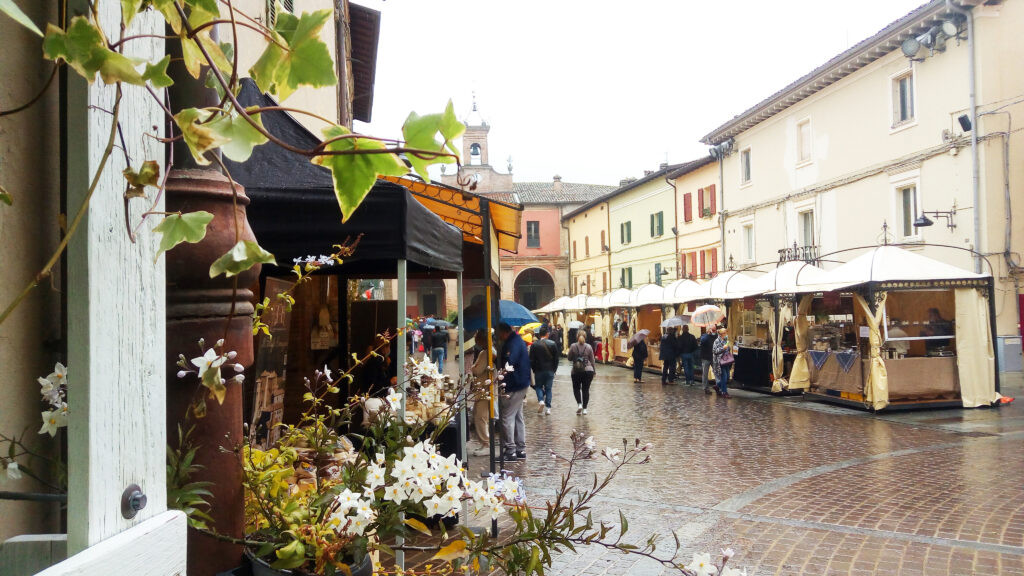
column 13, row 472
column 701, row 565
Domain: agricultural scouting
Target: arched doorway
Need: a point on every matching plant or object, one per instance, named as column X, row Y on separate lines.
column 534, row 288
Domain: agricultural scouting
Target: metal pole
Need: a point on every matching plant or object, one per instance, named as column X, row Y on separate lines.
column 494, row 388
column 463, row 430
column 400, row 374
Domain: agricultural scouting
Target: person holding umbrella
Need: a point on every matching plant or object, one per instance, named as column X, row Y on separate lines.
column 667, row 354
column 639, row 344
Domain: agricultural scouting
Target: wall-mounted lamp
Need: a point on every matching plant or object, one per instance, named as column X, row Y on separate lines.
column 605, row 248
column 923, row 220
column 965, row 122
column 732, row 265
column 675, row 231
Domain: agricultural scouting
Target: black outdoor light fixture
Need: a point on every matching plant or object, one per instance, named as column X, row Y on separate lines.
column 923, row 220
column 675, row 231
column 965, row 122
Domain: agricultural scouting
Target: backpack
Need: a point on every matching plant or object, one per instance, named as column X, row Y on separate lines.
column 579, row 365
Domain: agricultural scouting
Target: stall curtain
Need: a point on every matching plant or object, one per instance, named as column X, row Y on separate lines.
column 800, row 376
column 975, row 360
column 778, row 382
column 876, row 389
column 609, row 338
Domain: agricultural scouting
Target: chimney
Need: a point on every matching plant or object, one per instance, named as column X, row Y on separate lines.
column 557, row 184
column 663, row 165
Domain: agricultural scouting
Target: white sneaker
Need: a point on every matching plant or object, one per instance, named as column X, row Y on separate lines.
column 584, row 411
column 547, row 411
column 579, row 408
column 540, row 408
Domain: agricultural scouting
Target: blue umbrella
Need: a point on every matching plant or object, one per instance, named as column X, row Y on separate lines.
column 510, row 312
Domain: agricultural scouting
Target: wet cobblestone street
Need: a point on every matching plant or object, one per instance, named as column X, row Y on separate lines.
column 794, row 487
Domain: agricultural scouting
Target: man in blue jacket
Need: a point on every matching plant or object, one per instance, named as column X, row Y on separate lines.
column 517, row 382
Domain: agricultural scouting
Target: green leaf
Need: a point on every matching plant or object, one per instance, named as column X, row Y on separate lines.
column 355, row 174
column 156, row 74
column 420, row 132
column 198, row 135
column 240, row 258
column 170, row 14
column 148, row 175
column 129, row 8
column 212, row 381
column 83, row 48
column 175, row 229
column 240, row 136
column 451, row 127
column 623, row 525
column 11, row 9
column 305, row 62
column 6, row 197
column 291, row 556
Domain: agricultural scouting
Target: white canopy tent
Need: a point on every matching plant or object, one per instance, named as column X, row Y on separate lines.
column 647, row 295
column 683, row 291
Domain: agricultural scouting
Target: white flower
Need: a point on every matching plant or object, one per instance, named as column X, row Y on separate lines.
column 702, row 565
column 327, row 371
column 59, row 376
column 50, row 392
column 52, row 420
column 509, row 367
column 589, row 442
column 375, row 476
column 394, row 493
column 365, row 509
column 612, row 454
column 437, row 506
column 728, row 553
column 395, row 400
column 356, row 525
column 182, row 373
column 13, row 472
column 207, row 361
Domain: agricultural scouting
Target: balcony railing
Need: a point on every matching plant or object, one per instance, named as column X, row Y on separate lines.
column 799, row 253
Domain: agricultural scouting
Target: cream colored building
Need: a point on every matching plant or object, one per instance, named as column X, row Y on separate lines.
column 698, row 234
column 854, row 152
column 589, row 250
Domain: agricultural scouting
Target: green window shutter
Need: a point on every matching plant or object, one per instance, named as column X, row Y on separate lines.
column 652, row 225
column 629, row 231
column 661, row 223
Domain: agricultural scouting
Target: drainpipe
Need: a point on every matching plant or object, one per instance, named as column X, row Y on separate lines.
column 721, row 208
column 568, row 254
column 675, row 224
column 975, row 193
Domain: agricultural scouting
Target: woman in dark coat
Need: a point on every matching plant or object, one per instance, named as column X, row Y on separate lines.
column 639, row 357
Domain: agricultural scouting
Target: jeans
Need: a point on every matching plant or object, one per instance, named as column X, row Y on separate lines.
column 705, row 371
column 513, row 424
column 668, row 370
column 581, row 387
column 723, row 383
column 437, row 357
column 687, row 361
column 638, row 369
column 544, row 381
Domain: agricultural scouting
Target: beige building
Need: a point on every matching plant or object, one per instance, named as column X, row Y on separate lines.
column 697, row 230
column 589, row 248
column 856, row 151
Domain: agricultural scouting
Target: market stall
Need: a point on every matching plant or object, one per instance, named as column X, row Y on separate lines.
column 646, row 302
column 617, row 304
column 904, row 331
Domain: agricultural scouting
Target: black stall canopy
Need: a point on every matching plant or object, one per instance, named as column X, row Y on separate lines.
column 294, row 213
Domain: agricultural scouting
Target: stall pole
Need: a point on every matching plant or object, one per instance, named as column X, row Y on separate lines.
column 463, row 431
column 494, row 393
column 400, row 374
column 993, row 328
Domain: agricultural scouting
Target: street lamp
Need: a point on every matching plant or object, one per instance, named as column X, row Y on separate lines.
column 923, row 220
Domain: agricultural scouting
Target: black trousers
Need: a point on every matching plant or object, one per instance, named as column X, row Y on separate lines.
column 638, row 369
column 668, row 370
column 581, row 387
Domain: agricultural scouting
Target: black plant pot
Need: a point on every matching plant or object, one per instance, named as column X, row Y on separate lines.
column 262, row 568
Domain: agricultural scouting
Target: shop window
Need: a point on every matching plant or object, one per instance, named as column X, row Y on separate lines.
column 803, row 141
column 903, row 99
column 745, row 166
column 533, row 234
column 805, row 222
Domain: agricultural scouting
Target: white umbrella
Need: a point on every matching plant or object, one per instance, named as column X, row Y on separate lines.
column 575, row 324
column 674, row 322
column 707, row 315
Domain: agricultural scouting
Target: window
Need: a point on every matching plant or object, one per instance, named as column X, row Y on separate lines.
column 805, row 223
column 586, row 246
column 589, row 285
column 906, row 206
column 706, row 201
column 533, row 234
column 657, row 273
column 625, row 232
column 688, row 207
column 903, row 99
column 573, row 249
column 745, row 166
column 626, row 278
column 604, row 281
column 657, row 224
column 803, row 141
column 474, row 154
column 604, row 243
column 748, row 242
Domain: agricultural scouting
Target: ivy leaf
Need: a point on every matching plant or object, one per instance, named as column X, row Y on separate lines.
column 156, row 74
column 240, row 136
column 175, row 229
column 83, row 48
column 11, row 9
column 457, row 549
column 306, row 62
column 198, row 135
column 355, row 174
column 420, row 132
column 129, row 8
column 148, row 175
column 240, row 258
column 451, row 127
column 170, row 14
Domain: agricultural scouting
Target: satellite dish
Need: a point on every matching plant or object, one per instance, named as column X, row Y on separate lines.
column 910, row 47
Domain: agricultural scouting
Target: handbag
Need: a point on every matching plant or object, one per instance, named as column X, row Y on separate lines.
column 727, row 358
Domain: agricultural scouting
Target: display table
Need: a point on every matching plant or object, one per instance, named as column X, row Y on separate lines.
column 831, row 376
column 753, row 367
column 922, row 378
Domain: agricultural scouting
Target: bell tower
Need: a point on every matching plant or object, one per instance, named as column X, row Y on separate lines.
column 474, row 139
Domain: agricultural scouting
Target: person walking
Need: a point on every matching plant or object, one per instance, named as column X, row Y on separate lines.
column 439, row 348
column 639, row 357
column 517, row 381
column 581, row 355
column 544, row 361
column 686, row 347
column 723, row 359
column 707, row 344
column 482, row 405
column 667, row 355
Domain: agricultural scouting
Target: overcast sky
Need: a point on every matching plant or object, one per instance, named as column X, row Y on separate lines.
column 596, row 91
